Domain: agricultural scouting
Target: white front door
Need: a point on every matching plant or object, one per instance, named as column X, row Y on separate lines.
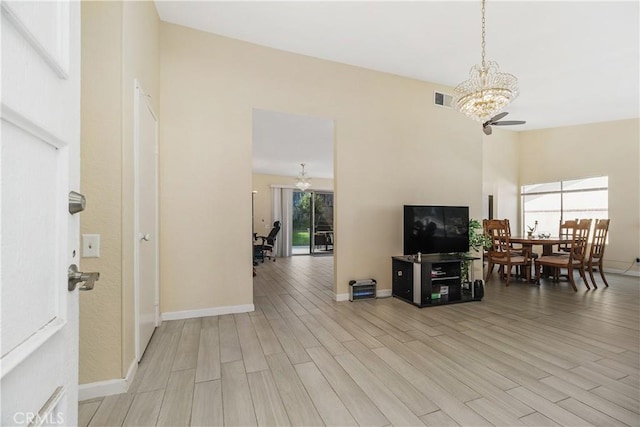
column 39, row 160
column 146, row 188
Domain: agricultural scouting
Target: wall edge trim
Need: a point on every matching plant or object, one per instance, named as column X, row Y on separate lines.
column 108, row 387
column 205, row 312
column 623, row 272
column 383, row 293
column 341, row 297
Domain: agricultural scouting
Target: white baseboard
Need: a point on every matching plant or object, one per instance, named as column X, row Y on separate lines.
column 635, row 273
column 383, row 293
column 341, row 297
column 108, row 387
column 206, row 312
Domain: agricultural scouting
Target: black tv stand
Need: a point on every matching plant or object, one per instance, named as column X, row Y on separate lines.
column 432, row 280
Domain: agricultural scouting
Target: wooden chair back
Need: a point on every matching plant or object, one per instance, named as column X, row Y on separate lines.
column 501, row 252
column 565, row 231
column 580, row 240
column 596, row 254
column 600, row 231
column 498, row 232
column 577, row 243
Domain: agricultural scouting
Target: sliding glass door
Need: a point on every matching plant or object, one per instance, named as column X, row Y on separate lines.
column 322, row 223
column 301, row 223
column 312, row 222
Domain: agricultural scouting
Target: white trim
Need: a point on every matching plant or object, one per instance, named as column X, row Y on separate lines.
column 26, row 348
column 136, row 219
column 635, row 273
column 49, row 406
column 29, row 126
column 383, row 293
column 53, row 59
column 206, row 312
column 108, row 387
column 138, row 92
column 19, row 353
column 341, row 297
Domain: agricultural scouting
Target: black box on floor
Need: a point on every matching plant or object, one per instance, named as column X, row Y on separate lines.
column 478, row 290
column 362, row 289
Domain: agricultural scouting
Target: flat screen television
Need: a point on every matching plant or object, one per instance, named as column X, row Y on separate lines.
column 436, row 229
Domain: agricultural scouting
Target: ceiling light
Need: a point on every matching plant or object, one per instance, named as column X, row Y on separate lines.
column 488, row 91
column 302, row 181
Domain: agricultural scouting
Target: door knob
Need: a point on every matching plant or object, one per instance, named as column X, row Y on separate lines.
column 77, row 202
column 76, row 277
column 145, row 237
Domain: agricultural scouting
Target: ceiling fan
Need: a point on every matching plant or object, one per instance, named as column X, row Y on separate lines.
column 493, row 121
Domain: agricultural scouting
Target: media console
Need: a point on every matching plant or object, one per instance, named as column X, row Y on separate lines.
column 432, row 280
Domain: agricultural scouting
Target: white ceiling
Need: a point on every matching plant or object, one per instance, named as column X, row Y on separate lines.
column 576, row 61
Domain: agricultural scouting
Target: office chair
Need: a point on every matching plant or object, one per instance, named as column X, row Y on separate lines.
column 265, row 249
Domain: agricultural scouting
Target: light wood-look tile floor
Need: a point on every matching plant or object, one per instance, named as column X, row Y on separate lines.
column 525, row 355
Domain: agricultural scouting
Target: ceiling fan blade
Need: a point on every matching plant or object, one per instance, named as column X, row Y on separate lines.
column 486, row 130
column 498, row 116
column 509, row 122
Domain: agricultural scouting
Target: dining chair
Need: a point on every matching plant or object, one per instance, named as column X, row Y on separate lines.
column 501, row 253
column 564, row 232
column 596, row 253
column 575, row 257
column 522, row 249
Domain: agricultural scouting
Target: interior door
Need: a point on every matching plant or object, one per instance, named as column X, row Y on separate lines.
column 39, row 156
column 147, row 302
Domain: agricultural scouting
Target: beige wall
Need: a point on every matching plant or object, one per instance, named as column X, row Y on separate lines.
column 101, row 182
column 119, row 42
column 393, row 146
column 263, row 219
column 141, row 61
column 597, row 149
column 500, row 160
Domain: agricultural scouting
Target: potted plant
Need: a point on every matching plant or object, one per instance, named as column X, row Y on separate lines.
column 477, row 242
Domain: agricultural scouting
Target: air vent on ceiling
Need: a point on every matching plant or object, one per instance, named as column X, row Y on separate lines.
column 442, row 99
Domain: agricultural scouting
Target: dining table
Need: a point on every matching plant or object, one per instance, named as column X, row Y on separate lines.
column 547, row 244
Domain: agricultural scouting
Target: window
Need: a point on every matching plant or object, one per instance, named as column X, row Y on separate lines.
column 552, row 202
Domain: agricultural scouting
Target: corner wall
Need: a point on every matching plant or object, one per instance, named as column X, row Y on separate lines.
column 500, row 160
column 101, row 183
column 141, row 61
column 119, row 43
column 597, row 149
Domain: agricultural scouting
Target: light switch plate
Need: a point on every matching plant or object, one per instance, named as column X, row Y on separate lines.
column 91, row 246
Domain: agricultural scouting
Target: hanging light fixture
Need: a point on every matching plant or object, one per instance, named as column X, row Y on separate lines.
column 488, row 91
column 302, row 181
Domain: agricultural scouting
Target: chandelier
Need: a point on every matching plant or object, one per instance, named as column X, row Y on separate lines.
column 302, row 181
column 488, row 91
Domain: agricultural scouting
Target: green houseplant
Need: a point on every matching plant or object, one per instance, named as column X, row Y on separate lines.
column 477, row 242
